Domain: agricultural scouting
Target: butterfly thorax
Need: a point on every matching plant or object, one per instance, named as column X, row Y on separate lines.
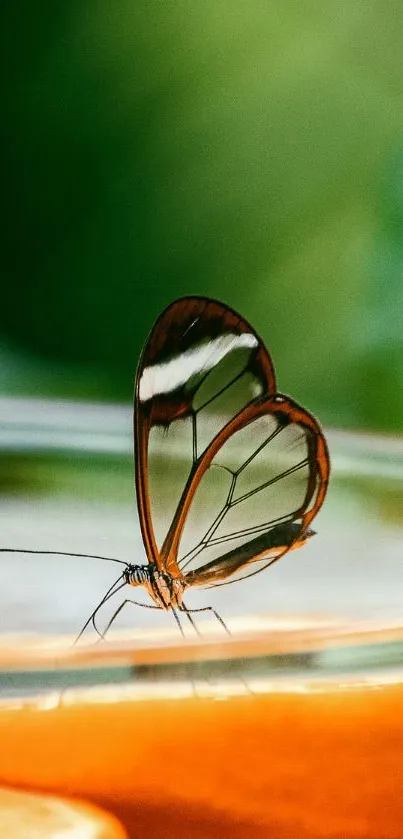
column 165, row 590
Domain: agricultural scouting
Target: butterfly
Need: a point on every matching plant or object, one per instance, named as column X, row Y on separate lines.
column 229, row 472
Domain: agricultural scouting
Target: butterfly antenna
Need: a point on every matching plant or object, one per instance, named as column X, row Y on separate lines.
column 62, row 553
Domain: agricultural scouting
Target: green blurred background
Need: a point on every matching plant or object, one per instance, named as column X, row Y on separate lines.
column 248, row 151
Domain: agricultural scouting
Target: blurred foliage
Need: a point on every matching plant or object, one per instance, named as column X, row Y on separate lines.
column 252, row 152
column 109, row 478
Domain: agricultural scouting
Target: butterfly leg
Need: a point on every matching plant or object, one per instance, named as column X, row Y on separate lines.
column 190, row 612
column 119, row 609
column 115, row 587
column 176, row 616
column 190, row 619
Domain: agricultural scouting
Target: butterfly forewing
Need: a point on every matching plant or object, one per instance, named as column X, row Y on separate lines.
column 202, row 365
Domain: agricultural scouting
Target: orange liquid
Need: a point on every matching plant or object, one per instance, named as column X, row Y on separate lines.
column 279, row 764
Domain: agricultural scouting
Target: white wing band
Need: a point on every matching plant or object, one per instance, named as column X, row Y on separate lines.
column 175, row 372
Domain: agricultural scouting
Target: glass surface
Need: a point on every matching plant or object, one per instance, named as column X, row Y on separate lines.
column 67, row 485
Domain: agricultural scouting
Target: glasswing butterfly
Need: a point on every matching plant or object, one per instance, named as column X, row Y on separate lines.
column 229, row 473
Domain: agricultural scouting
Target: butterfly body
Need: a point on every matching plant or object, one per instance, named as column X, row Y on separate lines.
column 165, row 590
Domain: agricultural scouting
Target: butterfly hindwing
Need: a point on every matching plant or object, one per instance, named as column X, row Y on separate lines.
column 252, row 495
column 260, row 486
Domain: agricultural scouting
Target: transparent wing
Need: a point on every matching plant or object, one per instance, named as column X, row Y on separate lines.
column 201, row 366
column 254, row 495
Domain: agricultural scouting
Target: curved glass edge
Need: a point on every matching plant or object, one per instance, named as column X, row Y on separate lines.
column 313, row 652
